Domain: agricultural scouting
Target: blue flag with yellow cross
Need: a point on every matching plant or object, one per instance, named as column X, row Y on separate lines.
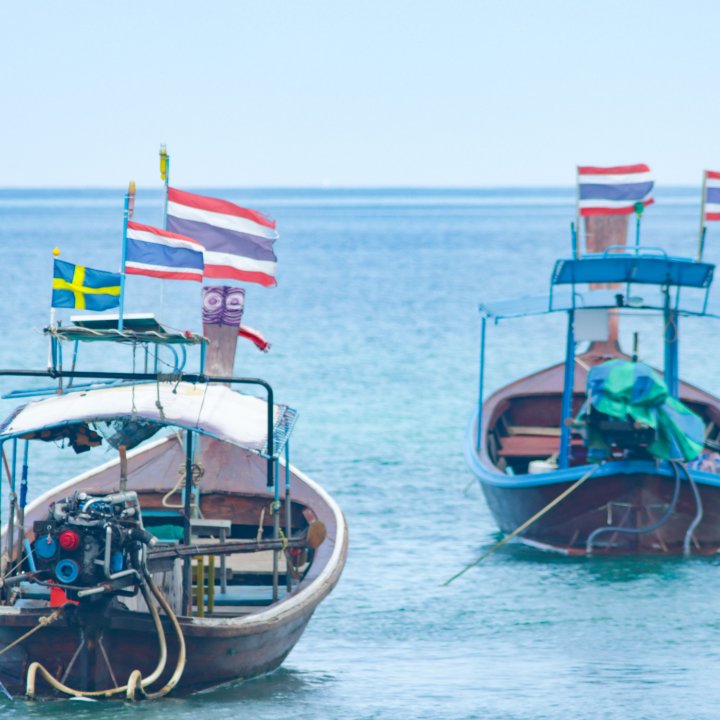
column 76, row 286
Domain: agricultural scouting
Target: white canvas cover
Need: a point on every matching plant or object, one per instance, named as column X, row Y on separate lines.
column 215, row 409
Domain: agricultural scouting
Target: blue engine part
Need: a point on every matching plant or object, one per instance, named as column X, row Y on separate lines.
column 46, row 547
column 67, row 571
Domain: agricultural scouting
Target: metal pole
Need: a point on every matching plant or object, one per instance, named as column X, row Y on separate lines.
column 577, row 217
column 276, row 535
column 639, row 209
column 3, row 554
column 187, row 562
column 573, row 235
column 288, row 513
column 481, row 375
column 13, row 502
column 165, row 177
column 701, row 238
column 23, row 485
column 126, row 217
column 568, row 388
column 670, row 317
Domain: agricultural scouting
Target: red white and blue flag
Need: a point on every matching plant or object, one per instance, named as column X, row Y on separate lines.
column 711, row 201
column 613, row 190
column 161, row 254
column 238, row 242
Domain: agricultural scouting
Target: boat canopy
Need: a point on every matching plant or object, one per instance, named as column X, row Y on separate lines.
column 213, row 410
column 633, row 268
column 656, row 274
column 646, row 298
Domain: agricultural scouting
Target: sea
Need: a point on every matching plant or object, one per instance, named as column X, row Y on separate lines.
column 375, row 335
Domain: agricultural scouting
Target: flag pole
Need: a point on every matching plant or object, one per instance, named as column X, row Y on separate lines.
column 639, row 207
column 577, row 214
column 165, row 177
column 51, row 362
column 128, row 210
column 701, row 238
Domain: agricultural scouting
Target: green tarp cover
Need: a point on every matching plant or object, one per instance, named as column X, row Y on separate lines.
column 623, row 389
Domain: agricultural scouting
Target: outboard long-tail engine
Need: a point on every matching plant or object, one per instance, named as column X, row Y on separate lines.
column 92, row 545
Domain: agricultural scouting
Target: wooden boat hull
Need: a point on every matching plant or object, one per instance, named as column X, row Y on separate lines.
column 215, row 655
column 520, row 422
column 631, row 502
column 220, row 649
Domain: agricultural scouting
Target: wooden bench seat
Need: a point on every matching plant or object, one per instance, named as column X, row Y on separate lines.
column 532, row 446
column 535, row 446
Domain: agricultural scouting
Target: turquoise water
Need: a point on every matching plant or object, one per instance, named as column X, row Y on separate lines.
column 375, row 335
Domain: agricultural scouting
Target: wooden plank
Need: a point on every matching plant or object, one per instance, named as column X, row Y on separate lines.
column 533, row 430
column 529, row 446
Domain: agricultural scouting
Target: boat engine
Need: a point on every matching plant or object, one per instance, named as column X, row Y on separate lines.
column 624, row 434
column 91, row 545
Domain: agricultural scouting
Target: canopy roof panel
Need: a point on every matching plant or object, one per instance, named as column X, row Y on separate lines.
column 214, row 410
column 626, row 268
column 564, row 299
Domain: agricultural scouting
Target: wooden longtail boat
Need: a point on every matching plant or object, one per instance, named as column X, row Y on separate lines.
column 208, row 520
column 526, row 451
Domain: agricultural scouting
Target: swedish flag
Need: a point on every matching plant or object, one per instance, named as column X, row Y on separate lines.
column 75, row 286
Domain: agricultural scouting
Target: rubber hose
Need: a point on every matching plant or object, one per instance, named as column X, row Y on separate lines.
column 698, row 513
column 648, row 528
column 134, row 683
column 36, row 667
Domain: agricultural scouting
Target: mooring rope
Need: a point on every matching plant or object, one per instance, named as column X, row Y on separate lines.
column 43, row 621
column 526, row 524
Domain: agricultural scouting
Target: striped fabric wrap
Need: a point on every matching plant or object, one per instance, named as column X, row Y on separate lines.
column 613, row 190
column 238, row 242
column 712, row 195
column 223, row 305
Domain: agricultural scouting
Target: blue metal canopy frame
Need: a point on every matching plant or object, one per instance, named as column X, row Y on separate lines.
column 635, row 268
column 646, row 267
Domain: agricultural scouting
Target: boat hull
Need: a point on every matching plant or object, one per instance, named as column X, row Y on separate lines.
column 216, row 655
column 98, row 647
column 619, row 512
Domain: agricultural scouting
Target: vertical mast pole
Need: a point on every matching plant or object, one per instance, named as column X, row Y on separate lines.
column 639, row 207
column 577, row 215
column 288, row 514
column 187, row 511
column 165, row 177
column 128, row 209
column 51, row 348
column 481, row 376
column 671, row 345
column 568, row 388
column 701, row 238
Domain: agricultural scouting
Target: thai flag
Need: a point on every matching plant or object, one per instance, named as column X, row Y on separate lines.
column 238, row 242
column 613, row 190
column 161, row 254
column 712, row 195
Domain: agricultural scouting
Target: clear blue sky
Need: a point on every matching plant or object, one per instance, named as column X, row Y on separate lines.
column 364, row 93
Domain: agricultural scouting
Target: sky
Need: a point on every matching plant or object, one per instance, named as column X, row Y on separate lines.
column 371, row 93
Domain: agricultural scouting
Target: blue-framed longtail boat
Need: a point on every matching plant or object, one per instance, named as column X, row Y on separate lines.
column 628, row 453
column 194, row 557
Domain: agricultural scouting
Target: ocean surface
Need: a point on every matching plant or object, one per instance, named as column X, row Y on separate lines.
column 375, row 333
